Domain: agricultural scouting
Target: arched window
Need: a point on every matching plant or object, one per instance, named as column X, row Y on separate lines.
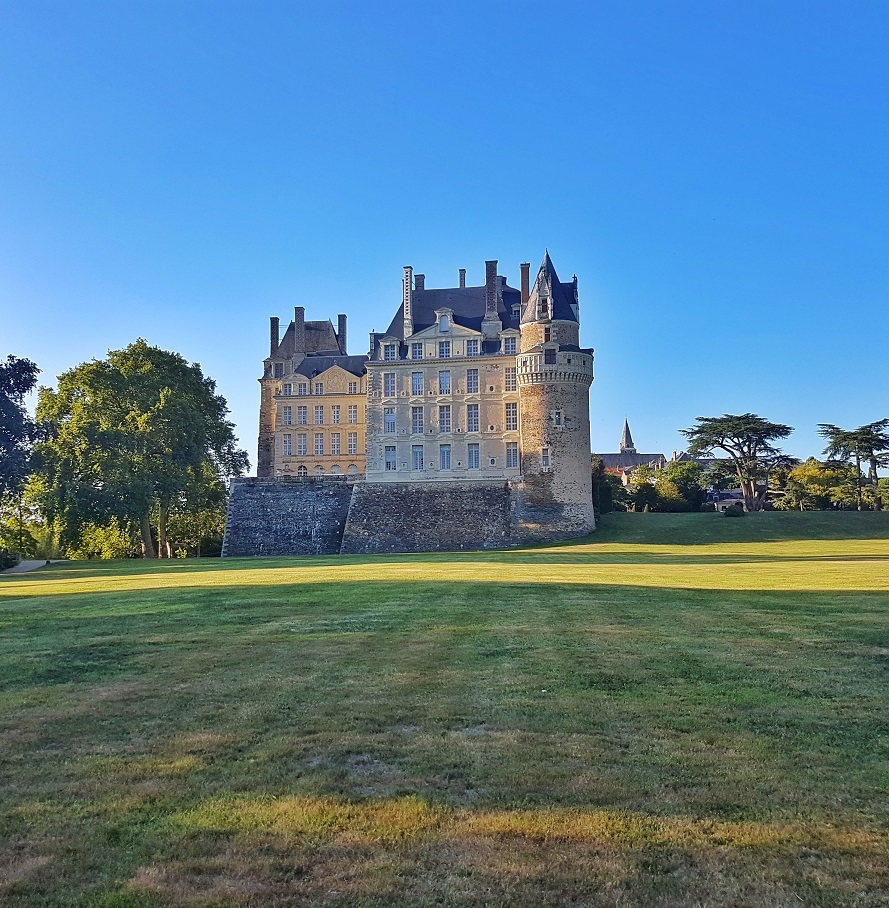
column 319, row 470
column 335, row 469
column 353, row 470
column 301, row 471
column 444, row 323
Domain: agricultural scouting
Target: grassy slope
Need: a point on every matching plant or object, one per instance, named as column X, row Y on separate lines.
column 685, row 710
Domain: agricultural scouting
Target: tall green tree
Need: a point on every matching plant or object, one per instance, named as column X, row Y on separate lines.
column 749, row 441
column 127, row 439
column 17, row 429
column 866, row 444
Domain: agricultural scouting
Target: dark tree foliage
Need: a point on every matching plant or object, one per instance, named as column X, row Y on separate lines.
column 17, row 429
column 866, row 444
column 748, row 440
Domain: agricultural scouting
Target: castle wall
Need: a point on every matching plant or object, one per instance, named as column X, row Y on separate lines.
column 439, row 517
column 286, row 516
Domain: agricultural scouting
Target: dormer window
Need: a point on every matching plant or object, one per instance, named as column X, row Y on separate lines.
column 389, row 352
column 549, row 356
column 544, row 307
column 509, row 346
column 444, row 323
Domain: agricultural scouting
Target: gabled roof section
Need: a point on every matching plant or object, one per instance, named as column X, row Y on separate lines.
column 467, row 304
column 320, row 338
column 561, row 295
column 317, row 363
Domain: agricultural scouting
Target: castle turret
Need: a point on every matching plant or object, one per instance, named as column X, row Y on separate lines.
column 554, row 377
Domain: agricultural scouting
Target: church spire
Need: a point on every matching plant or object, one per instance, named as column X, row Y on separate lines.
column 626, row 440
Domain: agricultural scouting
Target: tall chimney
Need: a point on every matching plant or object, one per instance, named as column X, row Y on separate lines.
column 526, row 281
column 299, row 329
column 341, row 333
column 274, row 335
column 462, row 278
column 491, row 289
column 408, row 301
column 419, row 282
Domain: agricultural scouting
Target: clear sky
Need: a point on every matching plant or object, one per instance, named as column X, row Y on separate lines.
column 715, row 173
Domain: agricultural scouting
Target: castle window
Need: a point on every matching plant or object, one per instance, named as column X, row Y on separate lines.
column 472, row 347
column 391, row 463
column 544, row 458
column 319, row 470
column 389, row 419
column 353, row 442
column 353, row 387
column 353, row 413
column 444, row 457
column 335, row 414
column 416, row 351
column 474, row 459
column 389, row 384
column 444, row 382
column 549, row 356
column 417, row 420
column 301, row 448
column 558, row 417
column 319, row 387
column 472, row 417
column 279, row 370
column 301, row 471
column 512, row 417
column 444, row 323
column 389, row 352
column 288, row 445
column 416, row 383
column 547, row 334
column 544, row 307
column 509, row 346
column 512, row 454
column 509, row 374
column 288, row 390
column 302, row 389
column 353, row 470
column 302, row 416
column 472, row 381
column 319, row 416
column 335, row 443
column 444, row 349
column 288, row 416
column 444, row 418
column 335, row 469
column 416, row 457
column 319, row 444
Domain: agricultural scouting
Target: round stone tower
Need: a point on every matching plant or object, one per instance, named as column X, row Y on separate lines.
column 554, row 375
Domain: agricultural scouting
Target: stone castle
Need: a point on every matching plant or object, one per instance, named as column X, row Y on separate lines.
column 466, row 425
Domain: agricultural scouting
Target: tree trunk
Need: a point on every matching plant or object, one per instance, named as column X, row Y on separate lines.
column 878, row 504
column 163, row 543
column 147, row 542
column 858, row 482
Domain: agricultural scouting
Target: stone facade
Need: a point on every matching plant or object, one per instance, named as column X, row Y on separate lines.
column 473, row 429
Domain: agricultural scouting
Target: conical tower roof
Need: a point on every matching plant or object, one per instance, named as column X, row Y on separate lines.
column 626, row 440
column 548, row 284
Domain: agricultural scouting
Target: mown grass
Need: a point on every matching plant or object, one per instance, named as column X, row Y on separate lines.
column 681, row 710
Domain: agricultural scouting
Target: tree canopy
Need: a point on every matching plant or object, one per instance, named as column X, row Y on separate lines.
column 868, row 443
column 17, row 429
column 748, row 440
column 132, row 438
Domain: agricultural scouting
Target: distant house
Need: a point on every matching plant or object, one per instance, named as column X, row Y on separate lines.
column 628, row 458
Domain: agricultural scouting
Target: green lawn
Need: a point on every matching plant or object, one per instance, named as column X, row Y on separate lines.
column 680, row 710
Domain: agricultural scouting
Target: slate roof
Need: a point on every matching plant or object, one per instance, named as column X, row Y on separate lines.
column 467, row 303
column 626, row 440
column 562, row 295
column 316, row 363
column 627, row 461
column 320, row 338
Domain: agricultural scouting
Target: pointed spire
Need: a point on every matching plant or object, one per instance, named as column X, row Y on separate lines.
column 626, row 440
column 547, row 285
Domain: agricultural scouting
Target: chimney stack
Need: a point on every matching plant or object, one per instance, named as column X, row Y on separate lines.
column 419, row 282
column 274, row 335
column 299, row 329
column 491, row 289
column 408, row 301
column 526, row 281
column 341, row 333
column 462, row 278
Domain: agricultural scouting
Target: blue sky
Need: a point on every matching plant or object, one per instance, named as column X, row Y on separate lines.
column 715, row 173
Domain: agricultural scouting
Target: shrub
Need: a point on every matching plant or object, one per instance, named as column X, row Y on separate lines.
column 734, row 510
